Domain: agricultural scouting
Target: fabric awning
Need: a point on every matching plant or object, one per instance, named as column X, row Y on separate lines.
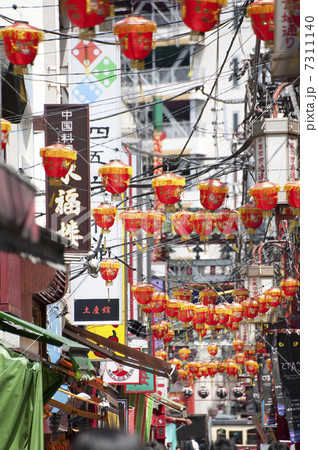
column 181, row 409
column 77, row 352
column 121, row 353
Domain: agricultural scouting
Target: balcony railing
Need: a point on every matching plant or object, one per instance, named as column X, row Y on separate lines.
column 156, row 77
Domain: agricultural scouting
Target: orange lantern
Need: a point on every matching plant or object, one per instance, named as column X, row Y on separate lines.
column 151, row 221
column 201, row 16
column 168, row 188
column 289, row 287
column 213, row 349
column 252, row 367
column 184, row 353
column 212, row 193
column 109, row 270
column 158, row 302
column 239, row 294
column 5, row 128
column 143, row 292
column 261, row 13
column 251, row 216
column 186, row 313
column 208, row 296
column 221, row 366
column 232, row 368
column 275, row 296
column 159, row 329
column 227, row 222
column 162, row 354
column 203, row 370
column 115, row 178
column 264, row 304
column 240, row 358
column 169, row 335
column 176, row 362
column 293, row 195
column 182, row 224
column 238, row 312
column 135, row 36
column 131, row 219
column 212, row 319
column 57, row 160
column 212, row 368
column 172, row 307
column 203, row 222
column 86, row 14
column 238, row 345
column 182, row 374
column 223, row 311
column 183, row 294
column 251, row 308
column 104, row 216
column 20, row 42
column 200, row 313
column 193, row 367
column 265, row 195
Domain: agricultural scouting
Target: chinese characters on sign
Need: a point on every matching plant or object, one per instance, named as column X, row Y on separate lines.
column 68, row 205
column 260, row 146
column 98, row 310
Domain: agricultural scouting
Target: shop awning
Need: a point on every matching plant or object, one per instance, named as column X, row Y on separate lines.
column 77, row 352
column 121, row 353
column 181, row 409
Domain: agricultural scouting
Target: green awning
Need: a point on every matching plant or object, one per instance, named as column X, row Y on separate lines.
column 77, row 352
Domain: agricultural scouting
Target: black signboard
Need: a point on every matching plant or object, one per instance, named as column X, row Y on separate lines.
column 267, row 395
column 96, row 311
column 288, row 348
column 277, row 382
column 68, row 204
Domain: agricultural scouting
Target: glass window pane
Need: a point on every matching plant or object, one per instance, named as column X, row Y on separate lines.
column 236, row 437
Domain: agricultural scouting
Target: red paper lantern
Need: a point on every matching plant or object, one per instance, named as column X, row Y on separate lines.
column 240, row 293
column 232, row 368
column 143, row 292
column 104, row 216
column 201, row 329
column 115, row 178
column 86, row 14
column 161, row 354
column 251, row 308
column 5, row 128
column 201, row 16
column 203, row 222
column 293, row 195
column 212, row 319
column 182, row 374
column 159, row 329
column 109, row 270
column 227, row 222
column 238, row 345
column 269, row 364
column 223, row 311
column 131, row 220
column 183, row 294
column 184, row 353
column 168, row 188
column 264, row 304
column 275, row 296
column 252, row 367
column 181, row 221
column 146, row 309
column 151, row 221
column 158, row 302
column 289, row 287
column 221, row 366
column 57, row 160
column 203, row 370
column 21, row 42
column 169, row 335
column 176, row 362
column 212, row 193
column 193, row 367
column 208, row 296
column 240, row 358
column 238, row 312
column 172, row 307
column 260, row 347
column 200, row 313
column 135, row 38
column 251, row 216
column 212, row 368
column 261, row 13
column 265, row 195
column 213, row 349
column 186, row 313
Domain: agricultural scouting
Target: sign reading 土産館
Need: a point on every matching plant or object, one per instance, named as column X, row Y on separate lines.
column 96, row 310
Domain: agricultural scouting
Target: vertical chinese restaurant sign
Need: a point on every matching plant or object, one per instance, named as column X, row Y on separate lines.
column 68, row 205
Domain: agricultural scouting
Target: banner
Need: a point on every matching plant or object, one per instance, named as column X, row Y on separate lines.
column 288, row 347
column 277, row 382
column 146, row 384
column 143, row 412
column 267, row 394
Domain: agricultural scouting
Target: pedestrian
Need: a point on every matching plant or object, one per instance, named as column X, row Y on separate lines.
column 223, row 444
column 278, row 446
column 192, row 444
column 203, row 445
column 104, row 439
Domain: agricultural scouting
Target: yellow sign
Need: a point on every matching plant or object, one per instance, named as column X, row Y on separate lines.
column 113, row 332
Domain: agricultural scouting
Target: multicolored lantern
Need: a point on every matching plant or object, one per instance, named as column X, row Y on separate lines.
column 240, row 293
column 104, row 216
column 184, row 353
column 168, row 189
column 203, row 371
column 213, row 349
column 212, row 368
column 182, row 224
column 275, row 296
column 240, row 358
column 251, row 216
column 115, row 178
column 201, row 16
column 135, row 36
column 251, row 308
column 293, row 195
column 252, row 367
column 183, row 294
column 5, row 128
column 182, row 374
column 20, row 42
column 193, row 367
column 109, row 270
column 168, row 336
column 238, row 345
column 261, row 13
column 265, row 195
column 86, row 14
column 203, row 222
column 131, row 219
column 227, row 222
column 208, row 296
column 158, row 302
column 151, row 221
column 212, row 193
column 143, row 292
column 57, row 160
column 290, row 287
column 221, row 366
column 172, row 307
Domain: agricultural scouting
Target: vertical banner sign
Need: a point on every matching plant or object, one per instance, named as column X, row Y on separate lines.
column 268, row 402
column 68, row 204
column 288, row 347
column 260, row 158
column 277, row 382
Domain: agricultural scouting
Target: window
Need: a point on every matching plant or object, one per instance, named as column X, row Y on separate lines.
column 236, row 437
column 220, row 433
column 251, row 436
